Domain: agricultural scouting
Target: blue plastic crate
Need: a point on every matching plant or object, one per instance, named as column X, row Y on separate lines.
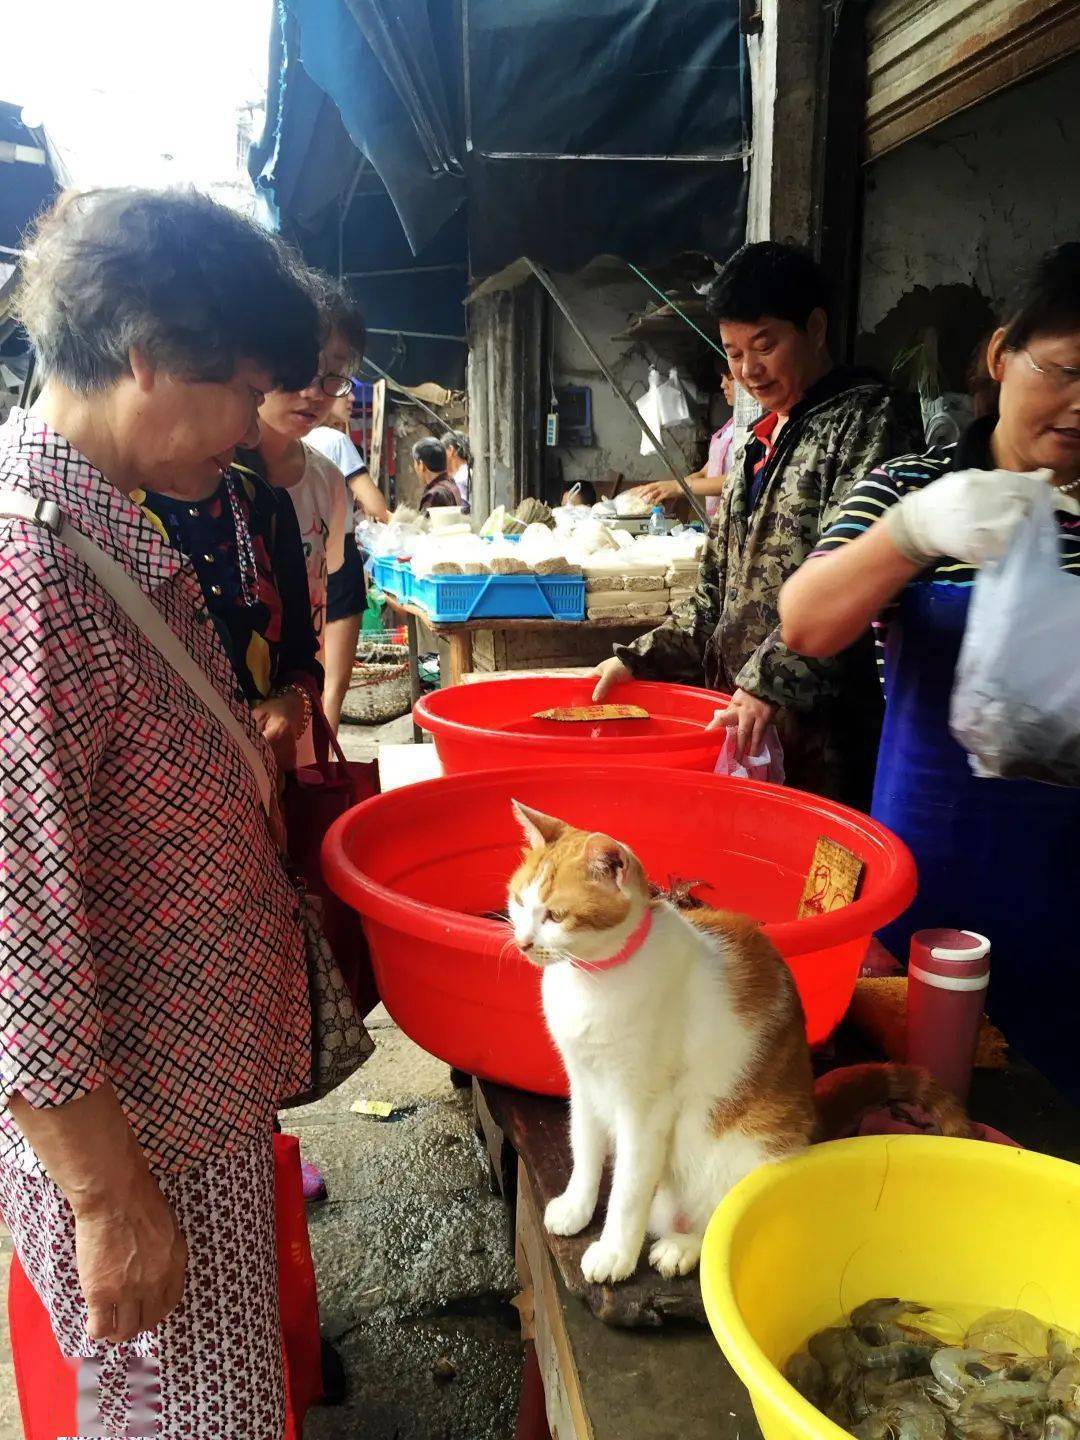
column 391, row 575
column 450, row 599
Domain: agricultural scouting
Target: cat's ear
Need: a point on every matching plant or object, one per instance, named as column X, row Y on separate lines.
column 540, row 830
column 607, row 860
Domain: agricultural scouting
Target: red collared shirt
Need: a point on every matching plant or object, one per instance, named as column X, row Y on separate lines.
column 148, row 934
column 759, row 452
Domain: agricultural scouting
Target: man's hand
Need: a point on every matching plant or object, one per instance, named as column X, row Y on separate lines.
column 609, row 673
column 750, row 717
column 970, row 515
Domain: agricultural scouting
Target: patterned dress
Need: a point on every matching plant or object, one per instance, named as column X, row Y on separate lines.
column 150, row 938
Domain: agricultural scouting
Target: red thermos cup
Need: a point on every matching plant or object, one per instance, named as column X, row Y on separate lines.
column 948, row 972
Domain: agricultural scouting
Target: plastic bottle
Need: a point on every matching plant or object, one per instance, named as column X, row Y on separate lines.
column 657, row 523
column 948, row 973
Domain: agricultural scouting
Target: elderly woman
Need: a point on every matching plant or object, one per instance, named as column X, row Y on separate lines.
column 996, row 856
column 154, row 1007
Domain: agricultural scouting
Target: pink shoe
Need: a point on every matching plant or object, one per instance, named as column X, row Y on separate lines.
column 313, row 1183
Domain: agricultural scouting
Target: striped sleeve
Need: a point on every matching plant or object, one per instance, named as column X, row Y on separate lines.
column 870, row 499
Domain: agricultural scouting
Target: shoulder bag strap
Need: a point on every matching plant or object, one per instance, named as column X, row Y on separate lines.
column 16, row 505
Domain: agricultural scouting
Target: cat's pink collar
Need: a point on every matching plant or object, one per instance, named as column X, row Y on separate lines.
column 628, row 951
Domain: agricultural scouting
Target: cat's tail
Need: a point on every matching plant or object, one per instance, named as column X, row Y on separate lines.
column 842, row 1097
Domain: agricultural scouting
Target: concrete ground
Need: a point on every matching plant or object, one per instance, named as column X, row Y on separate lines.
column 413, row 1254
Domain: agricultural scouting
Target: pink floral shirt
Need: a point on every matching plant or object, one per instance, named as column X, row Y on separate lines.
column 148, row 934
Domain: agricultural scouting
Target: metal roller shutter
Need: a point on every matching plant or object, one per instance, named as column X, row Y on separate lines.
column 927, row 59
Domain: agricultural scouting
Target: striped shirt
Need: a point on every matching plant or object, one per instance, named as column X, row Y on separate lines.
column 868, row 501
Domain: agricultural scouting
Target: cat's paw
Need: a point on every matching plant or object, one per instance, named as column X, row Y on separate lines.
column 675, row 1255
column 568, row 1214
column 604, row 1262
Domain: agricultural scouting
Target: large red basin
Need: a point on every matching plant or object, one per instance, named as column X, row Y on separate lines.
column 423, row 864
column 490, row 724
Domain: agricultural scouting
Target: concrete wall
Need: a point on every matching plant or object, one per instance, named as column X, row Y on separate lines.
column 953, row 219
column 603, row 310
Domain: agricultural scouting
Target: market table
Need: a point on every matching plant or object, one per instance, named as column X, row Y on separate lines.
column 459, row 637
column 656, row 1373
column 653, row 1370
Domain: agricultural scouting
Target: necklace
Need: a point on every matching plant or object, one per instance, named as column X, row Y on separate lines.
column 245, row 551
column 1071, row 488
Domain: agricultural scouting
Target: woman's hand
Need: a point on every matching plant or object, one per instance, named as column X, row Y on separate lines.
column 970, row 515
column 131, row 1259
column 130, row 1254
column 750, row 717
column 280, row 723
column 609, row 673
column 659, row 492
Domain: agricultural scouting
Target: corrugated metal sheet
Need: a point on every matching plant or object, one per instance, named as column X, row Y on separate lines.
column 928, row 59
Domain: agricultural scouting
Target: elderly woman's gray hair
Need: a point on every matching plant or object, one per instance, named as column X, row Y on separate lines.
column 194, row 286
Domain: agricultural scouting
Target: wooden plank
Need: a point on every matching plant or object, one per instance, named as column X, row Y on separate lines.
column 518, row 622
column 460, row 654
column 414, row 669
column 929, row 59
column 501, row 1157
column 566, row 1416
column 537, row 1129
column 610, row 1384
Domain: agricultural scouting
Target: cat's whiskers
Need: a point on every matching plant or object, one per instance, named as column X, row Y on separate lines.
column 507, row 947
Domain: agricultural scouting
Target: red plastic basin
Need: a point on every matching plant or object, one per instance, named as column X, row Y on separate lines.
column 490, row 724
column 423, row 864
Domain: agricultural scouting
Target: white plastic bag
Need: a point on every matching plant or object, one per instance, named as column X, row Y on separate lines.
column 673, row 407
column 1016, row 699
column 648, row 407
column 767, row 764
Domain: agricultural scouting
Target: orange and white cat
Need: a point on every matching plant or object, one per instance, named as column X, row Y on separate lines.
column 684, row 1041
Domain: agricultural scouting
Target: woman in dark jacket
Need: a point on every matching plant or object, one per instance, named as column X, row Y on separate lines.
column 429, row 464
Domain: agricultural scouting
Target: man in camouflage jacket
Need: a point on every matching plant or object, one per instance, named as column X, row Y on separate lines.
column 824, row 428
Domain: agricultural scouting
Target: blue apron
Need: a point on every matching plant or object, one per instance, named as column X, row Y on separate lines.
column 998, row 856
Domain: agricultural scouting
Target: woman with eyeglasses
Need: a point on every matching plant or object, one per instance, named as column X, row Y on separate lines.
column 996, row 856
column 313, row 483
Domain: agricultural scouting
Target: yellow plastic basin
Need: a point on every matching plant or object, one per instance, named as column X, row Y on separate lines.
column 796, row 1246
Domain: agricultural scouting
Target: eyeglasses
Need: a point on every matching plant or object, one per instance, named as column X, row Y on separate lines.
column 335, row 385
column 1057, row 377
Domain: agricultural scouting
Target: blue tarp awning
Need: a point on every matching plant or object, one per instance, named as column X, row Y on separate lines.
column 558, row 129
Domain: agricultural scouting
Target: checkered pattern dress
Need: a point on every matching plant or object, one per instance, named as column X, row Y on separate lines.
column 147, row 932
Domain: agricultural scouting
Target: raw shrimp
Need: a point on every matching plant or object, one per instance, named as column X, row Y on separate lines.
column 914, row 1419
column 979, row 1425
column 961, row 1371
column 1017, row 1402
column 1014, row 1332
column 1064, row 1391
column 807, row 1375
column 906, row 1353
column 892, row 1374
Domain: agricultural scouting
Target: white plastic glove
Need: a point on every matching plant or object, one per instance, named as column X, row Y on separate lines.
column 970, row 515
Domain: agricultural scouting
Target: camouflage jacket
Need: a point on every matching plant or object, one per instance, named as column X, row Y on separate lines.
column 728, row 634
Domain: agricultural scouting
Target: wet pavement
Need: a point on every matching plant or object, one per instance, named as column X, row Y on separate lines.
column 413, row 1255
